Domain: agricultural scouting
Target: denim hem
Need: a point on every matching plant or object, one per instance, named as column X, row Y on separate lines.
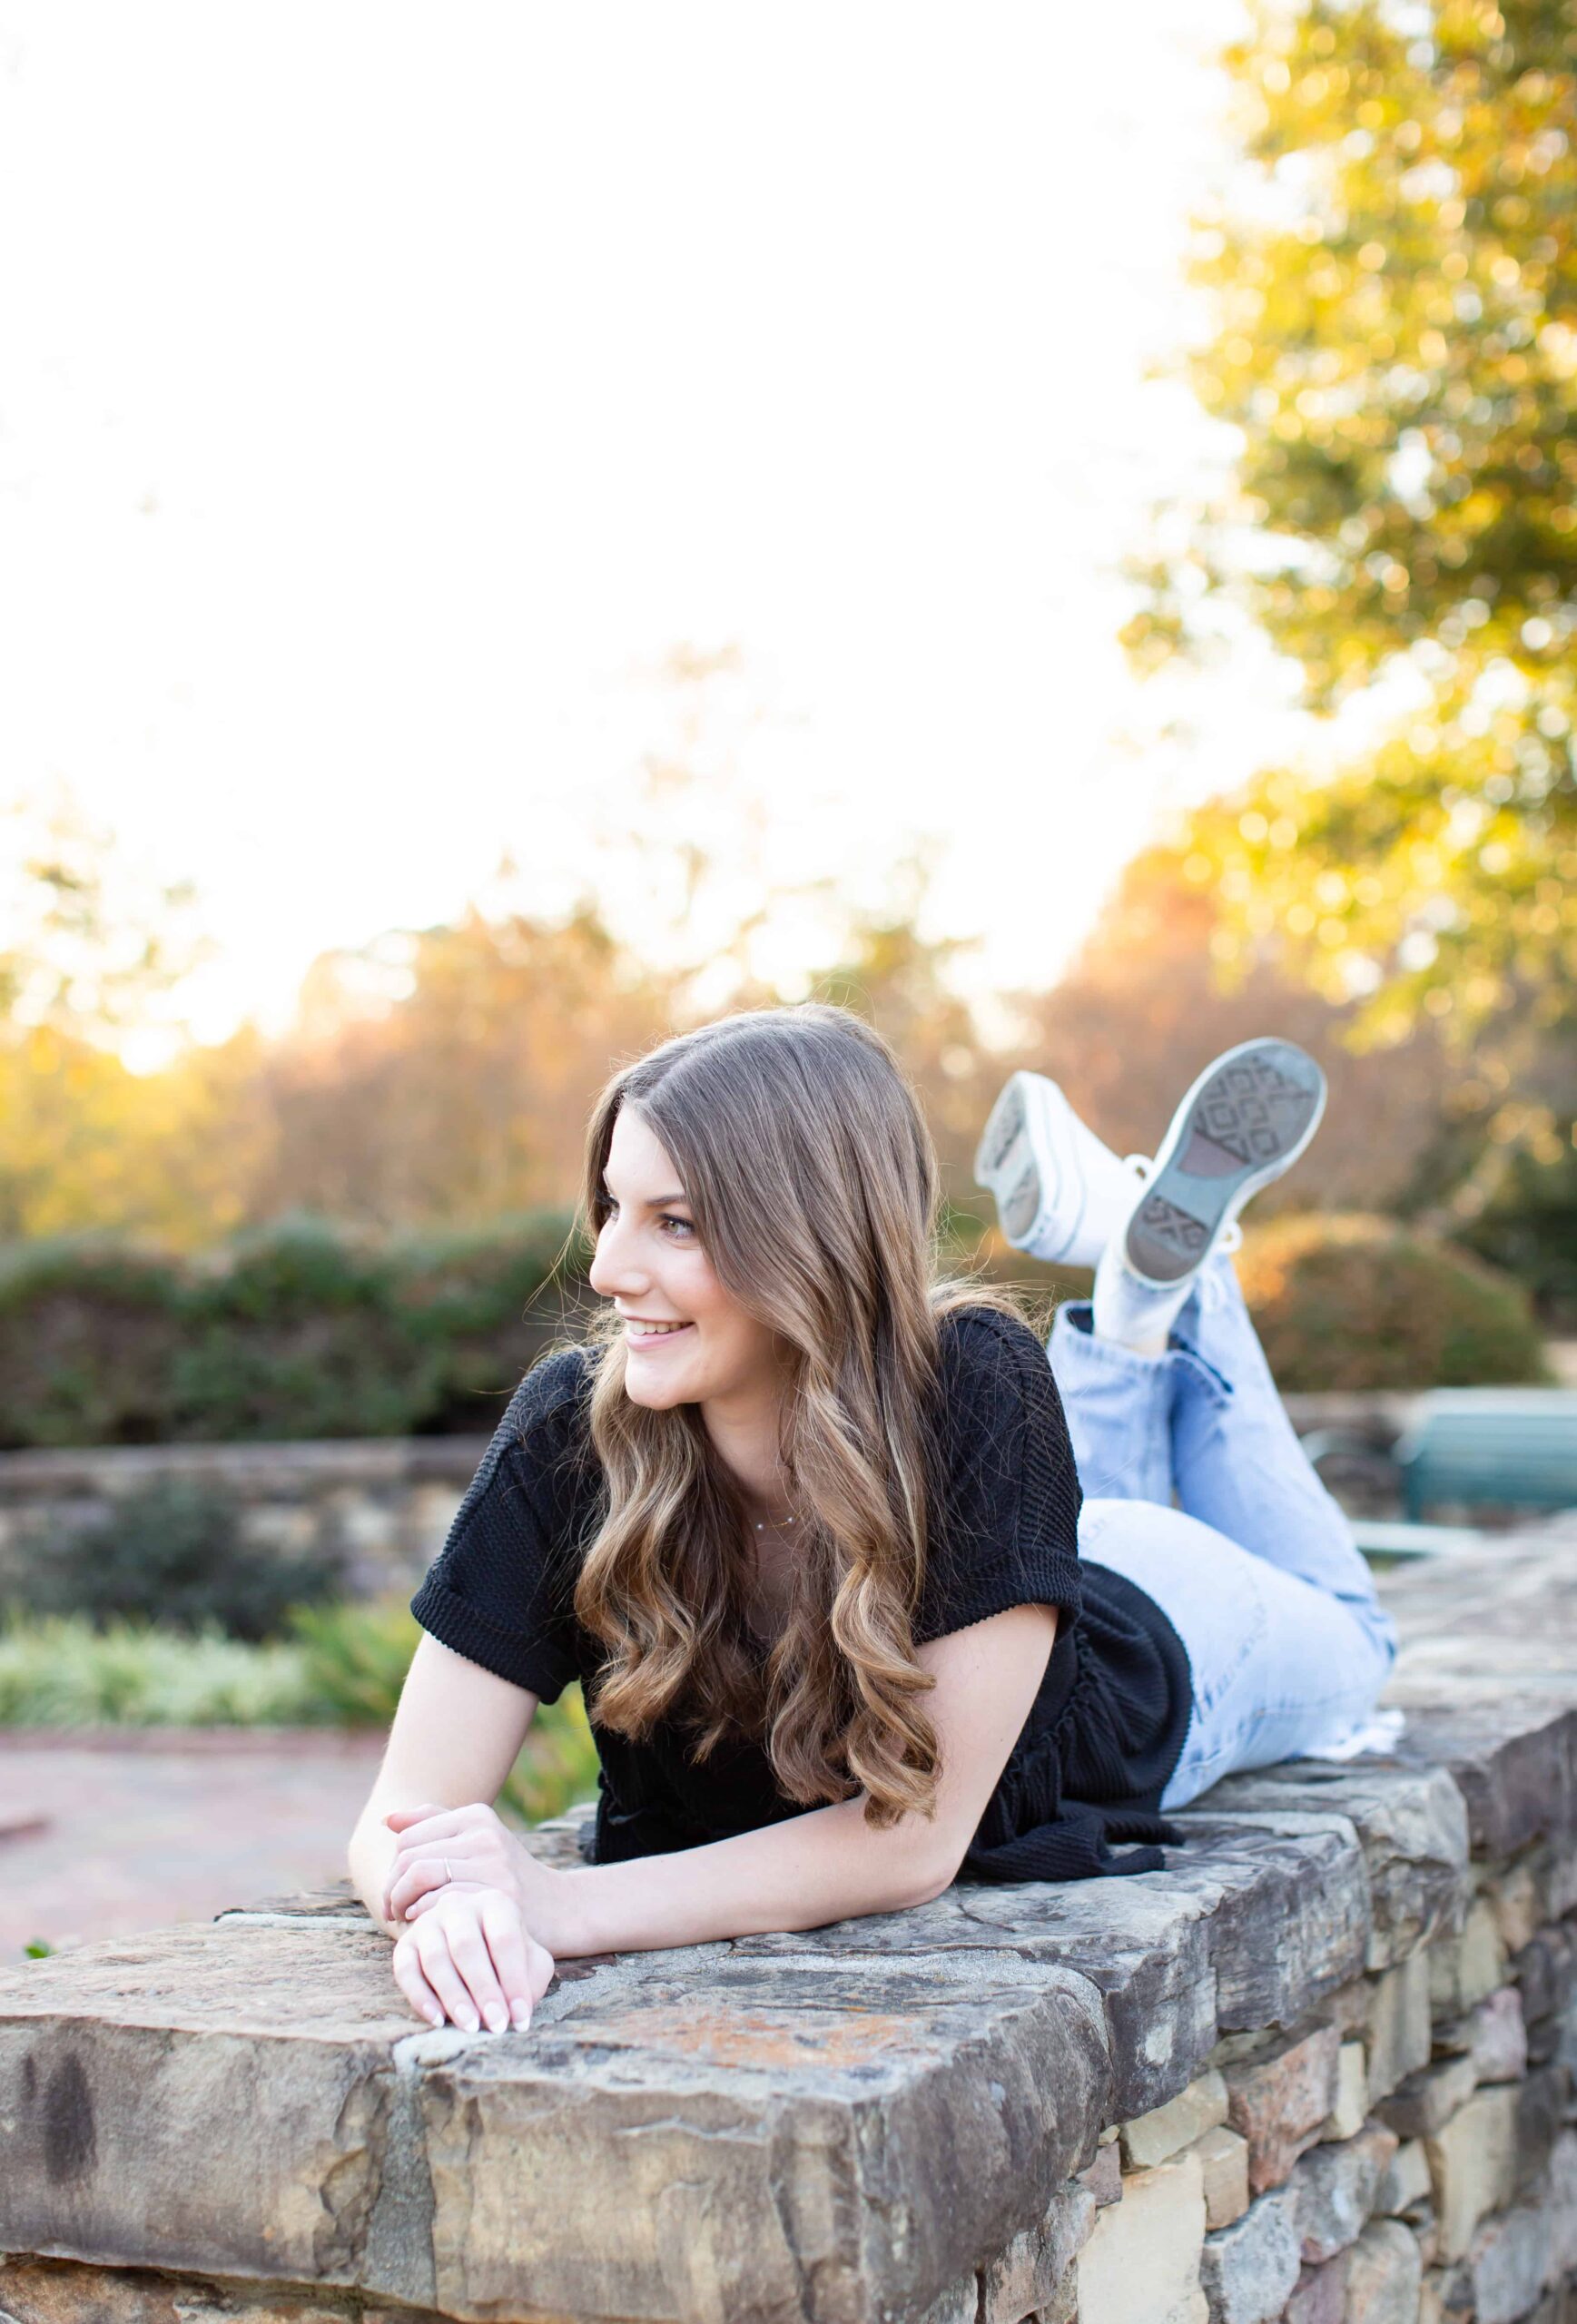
column 1179, row 1353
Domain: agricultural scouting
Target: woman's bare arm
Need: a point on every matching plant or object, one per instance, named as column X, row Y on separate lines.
column 827, row 1865
column 456, row 1735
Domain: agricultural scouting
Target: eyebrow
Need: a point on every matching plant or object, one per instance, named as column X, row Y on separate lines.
column 653, row 1202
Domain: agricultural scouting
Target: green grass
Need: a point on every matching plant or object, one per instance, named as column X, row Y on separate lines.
column 342, row 1665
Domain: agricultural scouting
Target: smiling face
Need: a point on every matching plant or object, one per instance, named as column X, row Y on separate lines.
column 687, row 1340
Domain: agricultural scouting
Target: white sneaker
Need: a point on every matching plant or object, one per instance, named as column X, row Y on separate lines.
column 1246, row 1120
column 1059, row 1193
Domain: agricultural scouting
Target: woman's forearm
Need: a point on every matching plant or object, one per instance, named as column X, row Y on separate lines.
column 371, row 1853
column 827, row 1865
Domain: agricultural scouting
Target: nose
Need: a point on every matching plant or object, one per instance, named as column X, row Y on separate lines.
column 614, row 1269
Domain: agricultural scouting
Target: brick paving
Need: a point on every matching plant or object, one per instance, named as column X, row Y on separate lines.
column 131, row 1833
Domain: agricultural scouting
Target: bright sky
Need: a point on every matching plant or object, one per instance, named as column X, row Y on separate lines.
column 386, row 391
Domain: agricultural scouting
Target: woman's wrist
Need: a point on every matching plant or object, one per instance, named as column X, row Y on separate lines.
column 552, row 1906
column 575, row 1915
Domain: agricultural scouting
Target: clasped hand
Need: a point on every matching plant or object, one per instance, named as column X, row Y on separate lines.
column 476, row 1906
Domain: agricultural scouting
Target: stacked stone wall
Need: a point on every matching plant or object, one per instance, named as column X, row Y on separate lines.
column 378, row 1506
column 1319, row 2070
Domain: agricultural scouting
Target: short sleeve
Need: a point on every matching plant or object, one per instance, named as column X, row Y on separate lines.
column 1006, row 1498
column 500, row 1591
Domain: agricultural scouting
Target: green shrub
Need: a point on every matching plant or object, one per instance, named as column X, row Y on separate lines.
column 355, row 1655
column 558, row 1765
column 174, row 1553
column 62, row 1672
column 344, row 1667
column 1362, row 1303
column 89, row 1330
column 487, row 1302
column 354, row 1661
column 1530, row 1228
column 301, row 1329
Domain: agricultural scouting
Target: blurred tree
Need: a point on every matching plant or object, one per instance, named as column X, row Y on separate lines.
column 442, row 1077
column 1141, row 1011
column 87, row 946
column 1395, row 300
column 901, row 978
column 91, row 952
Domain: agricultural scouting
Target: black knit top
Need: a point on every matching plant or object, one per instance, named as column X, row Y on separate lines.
column 1108, row 1723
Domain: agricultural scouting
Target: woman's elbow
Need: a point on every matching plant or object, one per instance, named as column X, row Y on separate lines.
column 927, row 1872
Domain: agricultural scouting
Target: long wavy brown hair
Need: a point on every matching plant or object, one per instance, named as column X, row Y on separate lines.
column 813, row 1184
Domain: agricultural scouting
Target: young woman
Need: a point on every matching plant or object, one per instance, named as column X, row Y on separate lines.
column 807, row 1526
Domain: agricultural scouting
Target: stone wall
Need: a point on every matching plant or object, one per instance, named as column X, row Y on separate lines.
column 1320, row 2068
column 378, row 1506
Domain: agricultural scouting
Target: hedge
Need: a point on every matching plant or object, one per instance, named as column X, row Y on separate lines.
column 303, row 1329
column 1362, row 1303
column 311, row 1329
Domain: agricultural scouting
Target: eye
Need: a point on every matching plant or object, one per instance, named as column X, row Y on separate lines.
column 685, row 1226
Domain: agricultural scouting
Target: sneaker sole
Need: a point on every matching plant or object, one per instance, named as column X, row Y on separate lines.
column 1007, row 1166
column 1242, row 1125
column 1014, row 1183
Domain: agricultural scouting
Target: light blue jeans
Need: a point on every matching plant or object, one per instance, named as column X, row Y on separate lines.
column 1256, row 1566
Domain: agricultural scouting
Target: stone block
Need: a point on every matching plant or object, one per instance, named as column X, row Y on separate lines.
column 253, row 2100
column 1511, row 1757
column 1564, row 2208
column 1292, row 1918
column 1494, row 2036
column 1103, row 2178
column 1141, row 2265
column 1035, row 2270
column 1224, row 2159
column 1403, row 2188
column 1398, row 2036
column 1153, row 2137
column 1431, row 2308
column 1547, row 1972
column 1142, row 1942
column 65, row 2292
column 701, row 2134
column 1320, row 2296
column 1333, row 2191
column 1279, row 2101
column 1384, row 2276
column 1427, row 2101
column 1473, row 2166
column 958, row 2304
column 1508, row 2265
column 1347, row 2008
column 1411, row 1824
column 202, row 2100
column 1517, row 1898
column 1466, row 1969
column 1248, row 2269
column 1346, row 2117
column 1541, row 2112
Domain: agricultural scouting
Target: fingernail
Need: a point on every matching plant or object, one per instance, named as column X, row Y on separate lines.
column 522, row 2014
column 470, row 2021
column 498, row 2018
column 434, row 2017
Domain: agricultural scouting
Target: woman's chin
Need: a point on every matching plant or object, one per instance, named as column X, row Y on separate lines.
column 657, row 1393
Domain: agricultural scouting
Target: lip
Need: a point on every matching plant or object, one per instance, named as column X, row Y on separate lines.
column 649, row 1338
